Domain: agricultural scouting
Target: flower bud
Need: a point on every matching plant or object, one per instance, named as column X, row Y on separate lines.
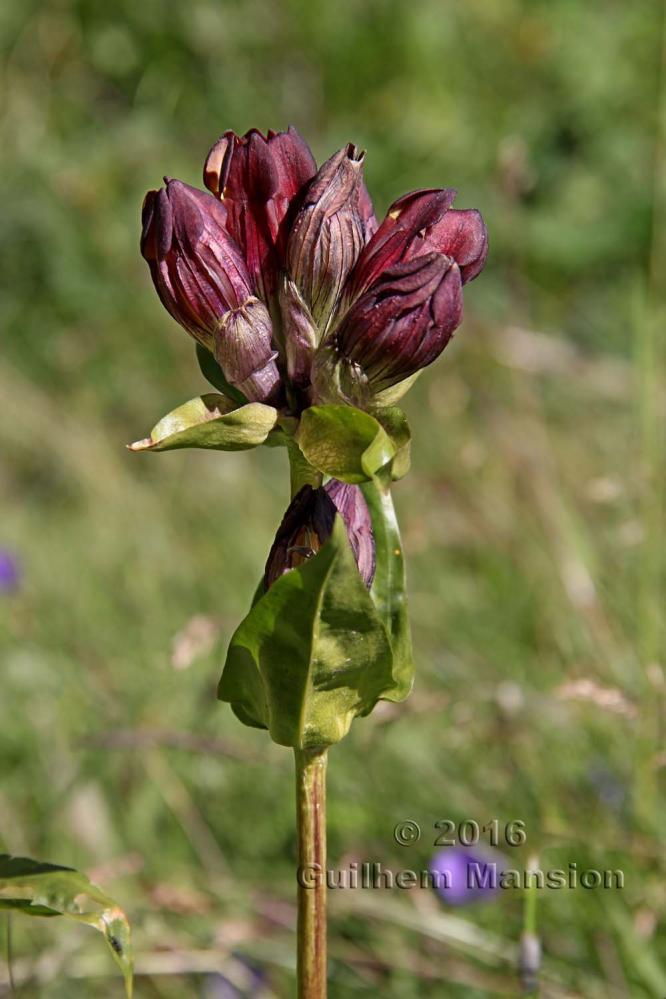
column 329, row 232
column 401, row 324
column 308, row 523
column 350, row 504
column 259, row 178
column 196, row 267
column 244, row 352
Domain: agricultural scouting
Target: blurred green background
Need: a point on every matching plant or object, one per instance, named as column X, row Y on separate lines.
column 531, row 519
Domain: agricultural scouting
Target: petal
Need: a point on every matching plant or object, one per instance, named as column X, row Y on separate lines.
column 197, row 269
column 405, row 222
column 404, row 321
column 308, row 524
column 463, row 236
column 259, row 178
column 328, row 233
column 254, row 168
column 352, row 507
column 367, row 210
column 301, row 336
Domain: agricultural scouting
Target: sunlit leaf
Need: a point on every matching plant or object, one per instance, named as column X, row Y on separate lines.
column 345, row 442
column 394, row 422
column 211, row 421
column 311, row 654
column 389, row 590
column 41, row 889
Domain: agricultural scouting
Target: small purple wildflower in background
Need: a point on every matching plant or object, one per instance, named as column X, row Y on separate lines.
column 9, row 572
column 466, row 874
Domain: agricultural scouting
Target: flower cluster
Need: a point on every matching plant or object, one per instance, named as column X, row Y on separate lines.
column 283, row 273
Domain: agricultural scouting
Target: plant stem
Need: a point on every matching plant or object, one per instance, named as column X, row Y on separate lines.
column 311, row 828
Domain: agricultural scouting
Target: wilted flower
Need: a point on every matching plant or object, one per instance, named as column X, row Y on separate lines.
column 9, row 572
column 283, row 273
column 465, row 874
column 308, row 523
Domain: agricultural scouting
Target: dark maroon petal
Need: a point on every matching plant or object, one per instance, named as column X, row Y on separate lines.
column 294, row 162
column 196, row 267
column 463, row 236
column 308, row 523
column 403, row 322
column 259, row 178
column 256, row 169
column 305, row 527
column 352, row 507
column 405, row 223
column 148, row 231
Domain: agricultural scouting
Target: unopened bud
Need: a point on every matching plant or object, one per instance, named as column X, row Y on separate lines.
column 196, row 267
column 259, row 177
column 400, row 325
column 329, row 232
column 308, row 523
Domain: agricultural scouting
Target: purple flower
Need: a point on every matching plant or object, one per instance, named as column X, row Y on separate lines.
column 308, row 523
column 462, row 875
column 10, row 575
column 284, row 274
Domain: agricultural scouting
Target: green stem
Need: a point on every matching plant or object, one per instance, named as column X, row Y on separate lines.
column 311, row 827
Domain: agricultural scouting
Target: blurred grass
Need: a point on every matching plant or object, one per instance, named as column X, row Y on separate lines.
column 533, row 518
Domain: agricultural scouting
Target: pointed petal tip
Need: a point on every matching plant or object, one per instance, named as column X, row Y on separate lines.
column 217, row 163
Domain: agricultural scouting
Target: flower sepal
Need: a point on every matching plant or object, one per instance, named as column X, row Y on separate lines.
column 211, row 421
column 355, row 446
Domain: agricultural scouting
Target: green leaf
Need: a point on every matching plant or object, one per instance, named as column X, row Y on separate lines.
column 213, row 373
column 395, row 424
column 311, row 654
column 345, row 442
column 388, row 588
column 211, row 421
column 40, row 889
